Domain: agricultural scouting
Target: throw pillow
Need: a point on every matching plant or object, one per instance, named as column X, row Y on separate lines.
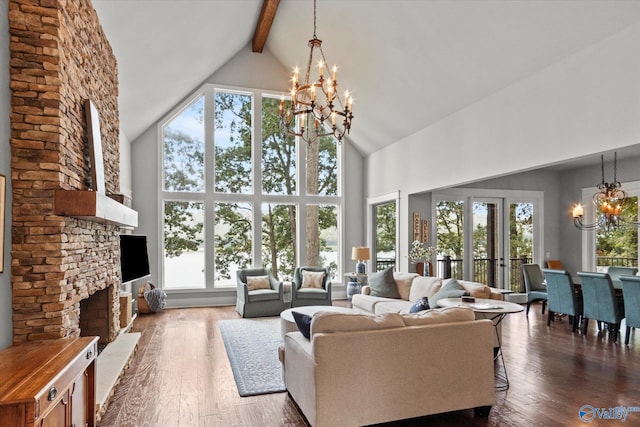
column 420, row 305
column 303, row 321
column 450, row 289
column 258, row 282
column 312, row 279
column 404, row 281
column 383, row 285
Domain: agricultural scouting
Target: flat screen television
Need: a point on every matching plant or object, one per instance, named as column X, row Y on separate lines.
column 134, row 257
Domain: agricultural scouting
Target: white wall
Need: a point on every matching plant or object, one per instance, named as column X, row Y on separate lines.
column 250, row 70
column 6, row 334
column 125, row 165
column 584, row 104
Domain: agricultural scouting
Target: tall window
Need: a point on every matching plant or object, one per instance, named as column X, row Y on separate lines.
column 236, row 193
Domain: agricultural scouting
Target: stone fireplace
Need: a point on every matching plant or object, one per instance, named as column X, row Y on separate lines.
column 65, row 269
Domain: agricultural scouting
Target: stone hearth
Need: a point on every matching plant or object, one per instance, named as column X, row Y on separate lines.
column 60, row 57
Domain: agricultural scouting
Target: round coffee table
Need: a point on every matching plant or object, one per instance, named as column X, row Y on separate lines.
column 288, row 323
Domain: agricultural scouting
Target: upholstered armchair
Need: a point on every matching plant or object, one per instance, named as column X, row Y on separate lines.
column 259, row 293
column 310, row 286
column 534, row 284
column 562, row 297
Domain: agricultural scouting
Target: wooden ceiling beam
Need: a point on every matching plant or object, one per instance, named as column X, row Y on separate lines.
column 267, row 15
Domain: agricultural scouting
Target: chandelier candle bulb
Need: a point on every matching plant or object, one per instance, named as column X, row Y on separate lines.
column 578, row 211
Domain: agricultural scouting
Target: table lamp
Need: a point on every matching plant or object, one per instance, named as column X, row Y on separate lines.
column 360, row 254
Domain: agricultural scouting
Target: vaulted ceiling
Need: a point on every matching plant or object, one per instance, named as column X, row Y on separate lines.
column 409, row 63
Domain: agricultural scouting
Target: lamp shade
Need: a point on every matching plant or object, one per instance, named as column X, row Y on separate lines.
column 360, row 253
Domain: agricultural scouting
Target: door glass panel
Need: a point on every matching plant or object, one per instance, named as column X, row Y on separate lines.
column 450, row 233
column 520, row 242
column 232, row 241
column 619, row 247
column 385, row 217
column 485, row 243
column 183, row 245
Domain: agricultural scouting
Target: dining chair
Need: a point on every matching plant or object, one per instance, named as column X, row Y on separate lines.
column 554, row 264
column 615, row 272
column 600, row 302
column 631, row 293
column 534, row 285
column 562, row 297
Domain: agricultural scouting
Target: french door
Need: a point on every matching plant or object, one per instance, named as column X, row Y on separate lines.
column 497, row 235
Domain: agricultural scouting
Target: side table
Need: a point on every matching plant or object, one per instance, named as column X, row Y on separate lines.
column 496, row 311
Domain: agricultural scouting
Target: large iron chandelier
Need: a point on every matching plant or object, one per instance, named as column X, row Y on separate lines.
column 610, row 202
column 316, row 110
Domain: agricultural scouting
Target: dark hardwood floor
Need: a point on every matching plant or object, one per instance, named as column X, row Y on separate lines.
column 180, row 376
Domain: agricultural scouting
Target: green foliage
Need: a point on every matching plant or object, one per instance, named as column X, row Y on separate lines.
column 520, row 229
column 449, row 223
column 386, row 227
column 182, row 228
column 621, row 242
column 233, row 157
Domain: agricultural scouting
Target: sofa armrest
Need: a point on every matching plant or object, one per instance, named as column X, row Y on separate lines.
column 365, row 290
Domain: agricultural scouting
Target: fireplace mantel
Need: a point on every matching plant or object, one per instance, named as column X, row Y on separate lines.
column 94, row 206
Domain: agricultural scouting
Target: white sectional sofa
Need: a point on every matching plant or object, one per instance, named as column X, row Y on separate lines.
column 360, row 369
column 411, row 288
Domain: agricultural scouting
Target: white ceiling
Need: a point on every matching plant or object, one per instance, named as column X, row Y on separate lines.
column 409, row 63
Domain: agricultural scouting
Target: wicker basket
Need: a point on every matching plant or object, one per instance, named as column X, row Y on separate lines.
column 143, row 307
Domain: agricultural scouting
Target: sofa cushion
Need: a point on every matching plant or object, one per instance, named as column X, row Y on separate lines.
column 404, row 281
column 392, row 306
column 424, row 286
column 329, row 322
column 439, row 315
column 383, row 285
column 420, row 305
column 258, row 282
column 303, row 321
column 451, row 288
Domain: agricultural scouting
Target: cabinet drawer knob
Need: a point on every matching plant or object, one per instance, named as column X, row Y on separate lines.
column 89, row 354
column 52, row 393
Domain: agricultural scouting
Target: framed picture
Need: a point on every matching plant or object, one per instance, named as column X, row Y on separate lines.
column 416, row 226
column 3, row 186
column 425, row 231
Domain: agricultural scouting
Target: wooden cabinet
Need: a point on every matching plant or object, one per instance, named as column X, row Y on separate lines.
column 49, row 383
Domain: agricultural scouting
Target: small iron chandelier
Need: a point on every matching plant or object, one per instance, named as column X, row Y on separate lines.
column 610, row 202
column 316, row 110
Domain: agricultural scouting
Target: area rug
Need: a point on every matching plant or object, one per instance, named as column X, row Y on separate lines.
column 252, row 348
